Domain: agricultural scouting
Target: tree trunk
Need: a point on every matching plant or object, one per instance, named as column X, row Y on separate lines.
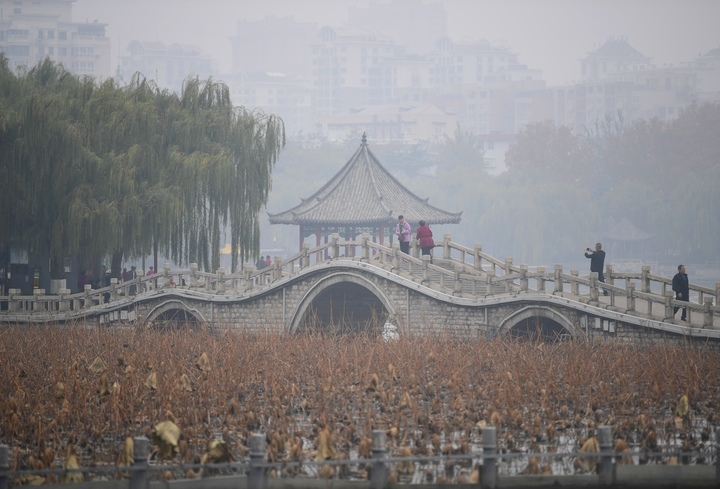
column 116, row 265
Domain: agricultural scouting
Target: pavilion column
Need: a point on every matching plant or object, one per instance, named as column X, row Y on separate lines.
column 302, row 233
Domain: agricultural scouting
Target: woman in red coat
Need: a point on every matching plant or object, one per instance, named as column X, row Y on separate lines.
column 425, row 239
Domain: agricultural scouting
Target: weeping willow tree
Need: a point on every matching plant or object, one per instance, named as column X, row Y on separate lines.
column 104, row 170
column 49, row 162
column 222, row 158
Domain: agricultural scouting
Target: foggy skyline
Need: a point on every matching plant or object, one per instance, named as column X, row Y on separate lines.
column 548, row 35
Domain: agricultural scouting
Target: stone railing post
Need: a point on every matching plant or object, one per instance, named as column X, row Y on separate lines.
column 630, row 296
column 717, row 457
column 396, row 256
column 5, row 466
column 277, row 268
column 594, row 292
column 113, row 289
column 489, row 281
column 247, row 277
column 668, row 305
column 605, row 471
column 574, row 285
column 365, row 247
column 707, row 315
column 334, row 238
column 138, row 476
column 141, row 286
column 523, row 278
column 378, row 475
column 508, row 271
column 609, row 279
column 167, row 278
column 36, row 303
column 87, row 302
column 425, row 269
column 446, row 246
column 63, row 303
column 305, row 259
column 13, row 304
column 256, row 476
column 508, row 265
column 558, row 278
column 220, row 287
column 193, row 275
column 645, row 278
column 477, row 258
column 540, row 279
column 457, row 289
column 489, row 444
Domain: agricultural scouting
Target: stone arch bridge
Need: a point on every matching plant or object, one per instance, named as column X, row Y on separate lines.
column 362, row 286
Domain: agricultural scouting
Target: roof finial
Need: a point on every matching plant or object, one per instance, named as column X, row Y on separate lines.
column 364, row 138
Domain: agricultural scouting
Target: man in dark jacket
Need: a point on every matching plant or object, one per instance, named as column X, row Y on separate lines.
column 597, row 262
column 681, row 287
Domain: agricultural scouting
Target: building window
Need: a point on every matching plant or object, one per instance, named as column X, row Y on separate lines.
column 62, row 35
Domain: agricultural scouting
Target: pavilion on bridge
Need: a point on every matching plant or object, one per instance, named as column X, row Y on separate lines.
column 363, row 197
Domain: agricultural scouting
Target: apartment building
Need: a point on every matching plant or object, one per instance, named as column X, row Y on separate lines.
column 31, row 30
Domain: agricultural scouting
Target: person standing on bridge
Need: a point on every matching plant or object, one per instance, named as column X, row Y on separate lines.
column 425, row 239
column 597, row 262
column 403, row 231
column 681, row 287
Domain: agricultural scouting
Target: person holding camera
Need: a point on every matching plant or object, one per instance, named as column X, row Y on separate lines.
column 597, row 262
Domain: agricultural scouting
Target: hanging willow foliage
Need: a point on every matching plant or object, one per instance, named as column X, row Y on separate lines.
column 102, row 169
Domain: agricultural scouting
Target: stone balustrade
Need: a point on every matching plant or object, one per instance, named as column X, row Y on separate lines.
column 459, row 271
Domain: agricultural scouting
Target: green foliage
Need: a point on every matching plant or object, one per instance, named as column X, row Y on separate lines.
column 99, row 169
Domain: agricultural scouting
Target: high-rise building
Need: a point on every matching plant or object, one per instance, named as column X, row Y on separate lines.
column 274, row 44
column 169, row 66
column 33, row 30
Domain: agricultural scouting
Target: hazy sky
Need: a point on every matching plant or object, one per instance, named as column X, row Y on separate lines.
column 550, row 35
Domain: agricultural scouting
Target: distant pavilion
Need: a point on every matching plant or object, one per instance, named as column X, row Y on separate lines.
column 363, row 197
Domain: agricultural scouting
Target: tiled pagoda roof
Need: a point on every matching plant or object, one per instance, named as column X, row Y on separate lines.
column 363, row 193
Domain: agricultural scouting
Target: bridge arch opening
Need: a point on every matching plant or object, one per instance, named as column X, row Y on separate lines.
column 172, row 315
column 343, row 303
column 539, row 329
column 537, row 323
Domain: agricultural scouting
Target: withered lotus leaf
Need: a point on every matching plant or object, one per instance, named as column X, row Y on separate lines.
column 71, row 462
column 98, row 366
column 374, row 383
column 325, row 445
column 103, row 386
column 166, row 435
column 59, row 390
column 588, row 464
column 326, row 472
column 127, row 457
column 116, row 388
column 218, row 452
column 184, row 383
column 151, row 381
column 203, row 363
column 682, row 409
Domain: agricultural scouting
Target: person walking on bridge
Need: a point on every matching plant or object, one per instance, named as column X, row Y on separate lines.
column 403, row 231
column 681, row 287
column 425, row 239
column 597, row 262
